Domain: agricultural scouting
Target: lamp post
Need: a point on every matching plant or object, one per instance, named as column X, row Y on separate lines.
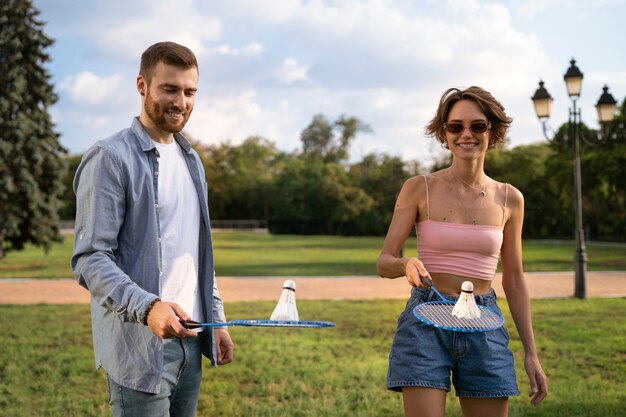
column 606, row 112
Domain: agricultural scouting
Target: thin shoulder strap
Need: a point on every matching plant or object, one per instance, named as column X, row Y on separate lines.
column 427, row 202
column 506, row 196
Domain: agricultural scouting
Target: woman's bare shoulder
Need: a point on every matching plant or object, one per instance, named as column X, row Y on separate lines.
column 413, row 188
column 511, row 195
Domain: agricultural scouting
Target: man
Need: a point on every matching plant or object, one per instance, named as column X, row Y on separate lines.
column 143, row 248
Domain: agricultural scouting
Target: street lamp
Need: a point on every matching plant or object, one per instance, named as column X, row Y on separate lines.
column 606, row 112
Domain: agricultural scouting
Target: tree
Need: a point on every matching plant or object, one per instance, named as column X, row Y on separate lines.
column 68, row 207
column 540, row 175
column 239, row 177
column 381, row 177
column 319, row 140
column 604, row 188
column 313, row 197
column 31, row 163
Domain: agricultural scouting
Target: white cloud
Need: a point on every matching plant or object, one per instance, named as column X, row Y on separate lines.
column 250, row 50
column 290, row 71
column 162, row 20
column 266, row 11
column 531, row 8
column 236, row 117
column 88, row 88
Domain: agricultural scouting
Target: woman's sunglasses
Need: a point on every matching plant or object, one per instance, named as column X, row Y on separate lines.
column 475, row 127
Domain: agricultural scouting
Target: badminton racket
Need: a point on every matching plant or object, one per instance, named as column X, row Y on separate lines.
column 260, row 323
column 439, row 314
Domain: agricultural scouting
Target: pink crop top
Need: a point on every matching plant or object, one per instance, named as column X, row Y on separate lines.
column 460, row 249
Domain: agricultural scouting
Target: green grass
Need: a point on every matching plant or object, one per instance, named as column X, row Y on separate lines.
column 47, row 368
column 250, row 254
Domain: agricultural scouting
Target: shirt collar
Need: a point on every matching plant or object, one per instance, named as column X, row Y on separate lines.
column 146, row 142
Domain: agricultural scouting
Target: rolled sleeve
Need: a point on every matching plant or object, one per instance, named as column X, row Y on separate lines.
column 218, row 305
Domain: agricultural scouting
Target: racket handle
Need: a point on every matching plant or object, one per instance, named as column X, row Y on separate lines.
column 427, row 281
column 190, row 324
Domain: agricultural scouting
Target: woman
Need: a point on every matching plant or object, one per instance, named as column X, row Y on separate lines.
column 465, row 221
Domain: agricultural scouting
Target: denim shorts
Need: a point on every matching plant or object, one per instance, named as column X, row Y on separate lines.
column 481, row 364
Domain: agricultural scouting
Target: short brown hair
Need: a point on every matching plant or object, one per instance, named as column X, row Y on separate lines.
column 492, row 108
column 169, row 53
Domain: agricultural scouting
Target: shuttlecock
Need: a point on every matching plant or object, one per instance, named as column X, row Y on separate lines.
column 465, row 307
column 286, row 308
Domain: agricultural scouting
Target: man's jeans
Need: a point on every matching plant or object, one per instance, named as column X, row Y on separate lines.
column 180, row 385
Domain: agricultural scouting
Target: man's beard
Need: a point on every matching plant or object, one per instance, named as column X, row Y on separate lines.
column 156, row 113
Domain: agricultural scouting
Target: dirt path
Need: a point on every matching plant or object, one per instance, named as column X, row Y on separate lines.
column 541, row 285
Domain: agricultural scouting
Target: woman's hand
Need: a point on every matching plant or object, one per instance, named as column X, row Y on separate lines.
column 537, row 378
column 414, row 271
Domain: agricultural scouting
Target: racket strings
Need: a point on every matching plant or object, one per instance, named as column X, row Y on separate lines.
column 439, row 314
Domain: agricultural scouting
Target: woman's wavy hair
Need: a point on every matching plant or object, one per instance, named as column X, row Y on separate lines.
column 492, row 108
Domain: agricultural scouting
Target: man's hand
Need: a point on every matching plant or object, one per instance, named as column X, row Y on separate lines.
column 164, row 321
column 225, row 346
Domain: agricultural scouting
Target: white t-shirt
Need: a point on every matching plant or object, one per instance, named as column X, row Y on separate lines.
column 179, row 219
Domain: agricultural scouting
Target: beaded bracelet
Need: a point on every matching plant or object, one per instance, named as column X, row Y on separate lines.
column 145, row 316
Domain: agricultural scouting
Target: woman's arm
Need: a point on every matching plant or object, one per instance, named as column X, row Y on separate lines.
column 405, row 214
column 517, row 294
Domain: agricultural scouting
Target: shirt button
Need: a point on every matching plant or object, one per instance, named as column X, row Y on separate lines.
column 156, row 173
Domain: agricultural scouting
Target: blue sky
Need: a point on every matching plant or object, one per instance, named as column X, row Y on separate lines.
column 267, row 67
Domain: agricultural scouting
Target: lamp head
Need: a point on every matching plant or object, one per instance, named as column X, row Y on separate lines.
column 573, row 79
column 542, row 101
column 606, row 106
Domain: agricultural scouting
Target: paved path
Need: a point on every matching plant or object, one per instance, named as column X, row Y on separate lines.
column 541, row 285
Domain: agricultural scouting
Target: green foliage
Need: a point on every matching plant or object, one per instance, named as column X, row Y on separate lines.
column 313, row 197
column 531, row 169
column 604, row 182
column 68, row 207
column 381, row 177
column 48, row 369
column 31, row 167
column 239, row 177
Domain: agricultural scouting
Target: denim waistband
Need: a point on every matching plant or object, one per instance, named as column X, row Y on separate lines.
column 426, row 294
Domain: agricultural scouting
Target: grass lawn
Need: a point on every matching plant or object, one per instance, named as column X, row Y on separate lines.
column 47, row 368
column 250, row 254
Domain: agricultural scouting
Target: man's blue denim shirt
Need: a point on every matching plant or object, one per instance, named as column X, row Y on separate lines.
column 117, row 253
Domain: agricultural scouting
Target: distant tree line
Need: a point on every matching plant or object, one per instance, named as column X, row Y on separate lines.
column 316, row 190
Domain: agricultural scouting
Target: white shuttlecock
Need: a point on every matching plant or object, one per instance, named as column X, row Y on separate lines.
column 465, row 307
column 286, row 308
